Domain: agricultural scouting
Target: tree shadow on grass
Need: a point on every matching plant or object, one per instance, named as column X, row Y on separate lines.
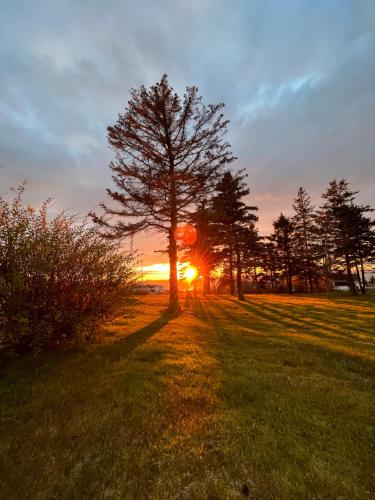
column 31, row 365
column 322, row 327
column 280, row 317
column 125, row 345
column 335, row 347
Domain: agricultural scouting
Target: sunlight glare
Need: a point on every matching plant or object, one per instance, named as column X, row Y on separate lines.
column 191, row 273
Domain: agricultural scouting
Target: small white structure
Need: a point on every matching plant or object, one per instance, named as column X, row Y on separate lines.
column 155, row 288
column 341, row 286
column 148, row 289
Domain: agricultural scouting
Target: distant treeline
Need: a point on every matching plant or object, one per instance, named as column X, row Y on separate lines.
column 306, row 252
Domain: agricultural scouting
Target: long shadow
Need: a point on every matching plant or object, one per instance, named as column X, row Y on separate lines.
column 239, row 320
column 126, row 345
column 328, row 326
column 317, row 313
column 195, row 305
column 279, row 316
column 354, row 362
column 356, row 324
column 273, row 316
column 32, row 366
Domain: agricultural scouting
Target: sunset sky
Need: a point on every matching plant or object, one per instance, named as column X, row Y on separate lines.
column 297, row 78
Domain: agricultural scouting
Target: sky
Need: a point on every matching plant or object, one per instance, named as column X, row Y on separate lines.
column 297, row 78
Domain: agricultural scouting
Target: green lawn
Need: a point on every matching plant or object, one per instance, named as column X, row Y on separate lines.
column 276, row 393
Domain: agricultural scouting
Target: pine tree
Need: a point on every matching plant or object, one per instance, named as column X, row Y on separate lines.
column 304, row 239
column 202, row 254
column 345, row 223
column 283, row 235
column 233, row 218
column 362, row 241
column 325, row 246
column 169, row 153
column 269, row 262
column 251, row 254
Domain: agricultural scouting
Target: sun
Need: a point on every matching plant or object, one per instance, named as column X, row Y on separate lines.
column 191, row 273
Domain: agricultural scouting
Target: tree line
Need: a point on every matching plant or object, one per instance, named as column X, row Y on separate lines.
column 172, row 167
column 305, row 251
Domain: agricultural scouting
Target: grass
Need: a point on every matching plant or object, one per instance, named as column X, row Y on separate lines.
column 275, row 393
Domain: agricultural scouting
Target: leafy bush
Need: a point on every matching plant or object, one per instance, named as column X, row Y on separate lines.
column 59, row 280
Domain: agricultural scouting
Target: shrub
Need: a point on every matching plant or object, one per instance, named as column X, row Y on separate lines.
column 59, row 280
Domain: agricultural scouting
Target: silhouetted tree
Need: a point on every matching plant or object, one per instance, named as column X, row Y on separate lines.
column 234, row 219
column 269, row 262
column 169, row 152
column 325, row 246
column 345, row 223
column 251, row 253
column 283, row 234
column 202, row 254
column 304, row 238
column 362, row 240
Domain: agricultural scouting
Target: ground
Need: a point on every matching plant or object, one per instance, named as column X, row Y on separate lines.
column 273, row 397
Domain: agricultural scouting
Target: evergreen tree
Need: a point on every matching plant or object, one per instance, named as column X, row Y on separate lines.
column 202, row 254
column 269, row 262
column 304, row 239
column 169, row 153
column 350, row 232
column 233, row 220
column 325, row 246
column 362, row 241
column 251, row 254
column 283, row 236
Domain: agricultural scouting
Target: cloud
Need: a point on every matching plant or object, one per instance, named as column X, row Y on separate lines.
column 297, row 77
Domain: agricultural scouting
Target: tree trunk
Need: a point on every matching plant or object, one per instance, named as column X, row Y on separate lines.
column 351, row 284
column 290, row 284
column 206, row 285
column 363, row 274
column 174, row 304
column 308, row 255
column 255, row 277
column 231, row 277
column 272, row 282
column 239, row 273
column 288, row 270
column 358, row 277
column 311, row 283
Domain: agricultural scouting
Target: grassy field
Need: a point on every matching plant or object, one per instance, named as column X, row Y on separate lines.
column 275, row 394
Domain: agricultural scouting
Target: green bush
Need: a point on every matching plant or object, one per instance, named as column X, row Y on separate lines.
column 59, row 280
